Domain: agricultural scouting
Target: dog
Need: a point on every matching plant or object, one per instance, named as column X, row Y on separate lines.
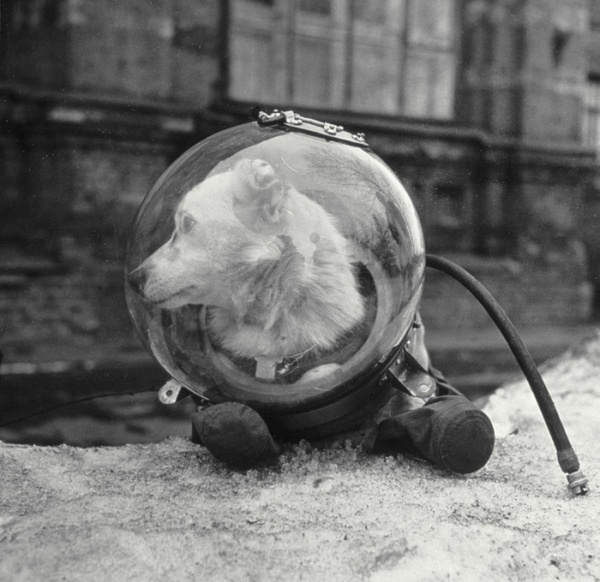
column 270, row 265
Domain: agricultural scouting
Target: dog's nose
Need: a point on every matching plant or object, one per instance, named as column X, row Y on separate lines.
column 137, row 280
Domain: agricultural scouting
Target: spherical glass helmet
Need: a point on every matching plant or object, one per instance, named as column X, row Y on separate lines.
column 277, row 267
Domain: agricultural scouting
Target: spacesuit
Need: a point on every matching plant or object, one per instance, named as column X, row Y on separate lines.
column 275, row 272
column 444, row 428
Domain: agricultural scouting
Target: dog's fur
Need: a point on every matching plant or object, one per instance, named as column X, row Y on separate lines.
column 268, row 261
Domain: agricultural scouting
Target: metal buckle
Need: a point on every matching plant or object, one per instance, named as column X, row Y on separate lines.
column 294, row 121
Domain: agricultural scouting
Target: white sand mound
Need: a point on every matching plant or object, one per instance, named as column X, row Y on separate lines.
column 169, row 512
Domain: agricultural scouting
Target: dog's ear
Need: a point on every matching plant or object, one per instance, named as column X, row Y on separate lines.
column 262, row 196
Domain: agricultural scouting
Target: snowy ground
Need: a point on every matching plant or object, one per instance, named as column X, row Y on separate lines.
column 166, row 511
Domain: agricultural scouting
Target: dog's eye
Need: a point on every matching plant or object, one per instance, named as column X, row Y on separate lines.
column 187, row 223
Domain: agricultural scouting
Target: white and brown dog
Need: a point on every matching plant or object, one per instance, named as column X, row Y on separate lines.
column 268, row 261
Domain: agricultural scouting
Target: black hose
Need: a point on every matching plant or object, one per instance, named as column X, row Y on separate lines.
column 567, row 459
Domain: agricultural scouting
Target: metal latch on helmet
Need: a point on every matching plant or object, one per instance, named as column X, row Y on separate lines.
column 407, row 375
column 296, row 122
column 173, row 392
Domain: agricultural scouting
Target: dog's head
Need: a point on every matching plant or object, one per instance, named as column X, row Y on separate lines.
column 228, row 222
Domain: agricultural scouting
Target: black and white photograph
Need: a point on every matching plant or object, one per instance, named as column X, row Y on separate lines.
column 299, row 290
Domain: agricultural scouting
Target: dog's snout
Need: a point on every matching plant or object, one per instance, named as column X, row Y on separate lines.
column 137, row 280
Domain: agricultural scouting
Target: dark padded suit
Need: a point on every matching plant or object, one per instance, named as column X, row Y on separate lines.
column 446, row 429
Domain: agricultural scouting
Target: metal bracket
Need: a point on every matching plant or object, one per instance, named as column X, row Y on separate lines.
column 294, row 121
column 171, row 392
column 406, row 374
column 266, row 368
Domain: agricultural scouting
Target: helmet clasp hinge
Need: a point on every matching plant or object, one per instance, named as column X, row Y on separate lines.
column 294, row 121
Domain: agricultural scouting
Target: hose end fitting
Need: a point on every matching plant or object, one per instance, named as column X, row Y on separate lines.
column 577, row 483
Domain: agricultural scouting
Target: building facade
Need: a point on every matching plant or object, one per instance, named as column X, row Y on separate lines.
column 488, row 111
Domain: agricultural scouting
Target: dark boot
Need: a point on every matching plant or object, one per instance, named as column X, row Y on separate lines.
column 448, row 430
column 234, row 434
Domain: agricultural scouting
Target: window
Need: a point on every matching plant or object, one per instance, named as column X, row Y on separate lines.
column 36, row 13
column 591, row 117
column 595, row 14
column 387, row 56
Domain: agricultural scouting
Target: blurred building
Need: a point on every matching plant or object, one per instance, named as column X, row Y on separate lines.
column 488, row 110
